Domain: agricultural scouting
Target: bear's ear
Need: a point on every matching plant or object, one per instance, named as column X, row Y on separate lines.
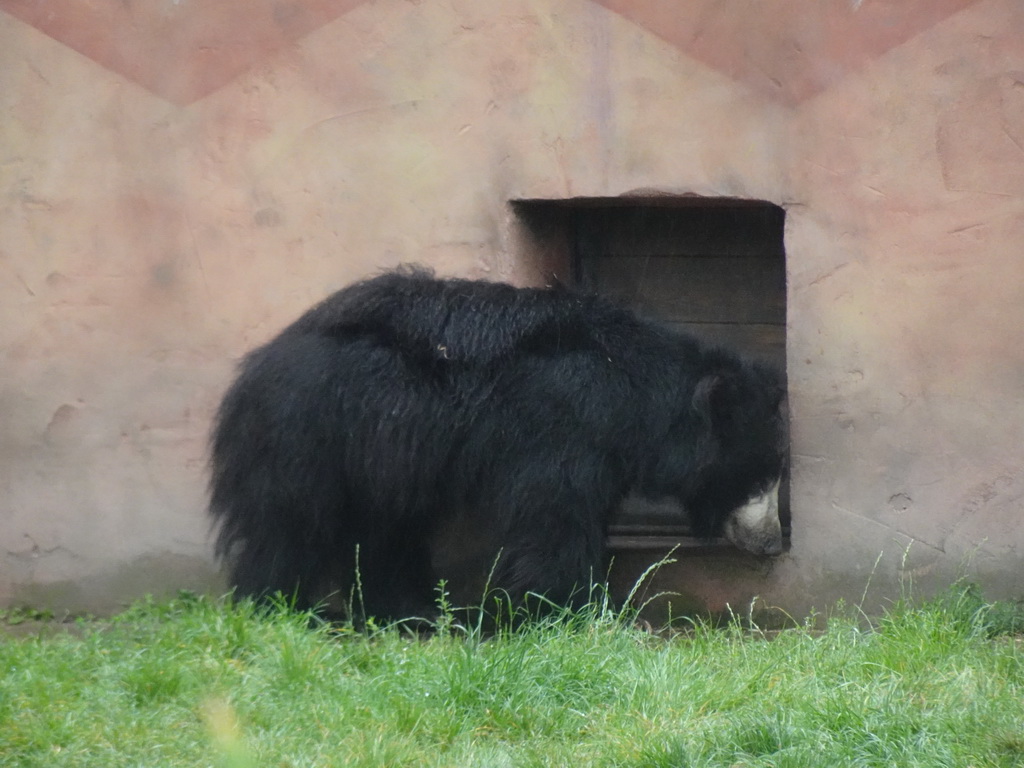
column 772, row 383
column 779, row 394
column 709, row 398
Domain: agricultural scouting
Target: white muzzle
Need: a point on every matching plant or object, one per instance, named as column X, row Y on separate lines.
column 755, row 526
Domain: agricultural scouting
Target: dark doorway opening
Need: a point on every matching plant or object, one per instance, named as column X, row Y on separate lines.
column 713, row 267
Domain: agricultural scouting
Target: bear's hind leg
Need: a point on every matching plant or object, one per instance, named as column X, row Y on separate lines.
column 264, row 571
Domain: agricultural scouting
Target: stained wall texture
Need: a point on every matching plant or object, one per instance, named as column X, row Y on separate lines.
column 179, row 179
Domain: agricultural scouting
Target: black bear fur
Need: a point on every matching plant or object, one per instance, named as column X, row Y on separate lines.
column 403, row 402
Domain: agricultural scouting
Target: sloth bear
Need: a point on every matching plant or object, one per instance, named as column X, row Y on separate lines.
column 405, row 403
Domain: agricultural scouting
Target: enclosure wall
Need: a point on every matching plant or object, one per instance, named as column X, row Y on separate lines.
column 178, row 180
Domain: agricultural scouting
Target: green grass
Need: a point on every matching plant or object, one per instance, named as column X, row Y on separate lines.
column 196, row 682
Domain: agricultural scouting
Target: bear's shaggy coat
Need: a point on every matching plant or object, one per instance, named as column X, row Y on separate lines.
column 403, row 402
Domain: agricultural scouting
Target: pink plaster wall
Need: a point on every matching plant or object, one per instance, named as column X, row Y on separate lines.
column 180, row 179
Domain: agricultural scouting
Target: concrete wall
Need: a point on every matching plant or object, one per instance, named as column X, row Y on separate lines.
column 180, row 179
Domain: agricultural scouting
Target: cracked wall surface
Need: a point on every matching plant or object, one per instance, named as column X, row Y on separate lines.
column 177, row 182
